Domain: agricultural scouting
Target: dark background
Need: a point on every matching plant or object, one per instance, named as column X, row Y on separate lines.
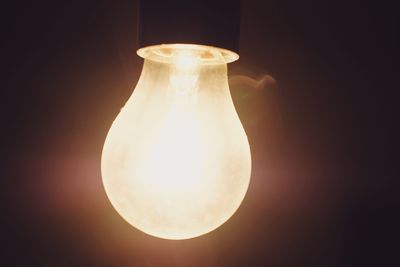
column 325, row 160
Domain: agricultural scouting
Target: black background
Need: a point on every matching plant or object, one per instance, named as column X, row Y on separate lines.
column 323, row 139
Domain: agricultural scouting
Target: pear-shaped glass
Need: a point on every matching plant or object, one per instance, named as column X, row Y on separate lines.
column 176, row 162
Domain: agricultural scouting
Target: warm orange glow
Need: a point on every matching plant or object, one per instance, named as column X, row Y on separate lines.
column 176, row 161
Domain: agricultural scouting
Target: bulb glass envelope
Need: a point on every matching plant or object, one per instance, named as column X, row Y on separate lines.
column 176, row 162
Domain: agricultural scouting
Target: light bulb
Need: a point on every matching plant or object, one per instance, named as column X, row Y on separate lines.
column 176, row 162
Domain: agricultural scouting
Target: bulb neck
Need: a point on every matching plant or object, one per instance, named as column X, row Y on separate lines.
column 183, row 83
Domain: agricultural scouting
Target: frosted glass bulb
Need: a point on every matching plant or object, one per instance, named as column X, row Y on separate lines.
column 176, row 162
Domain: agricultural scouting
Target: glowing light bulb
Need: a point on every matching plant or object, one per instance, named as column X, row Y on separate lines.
column 176, row 162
